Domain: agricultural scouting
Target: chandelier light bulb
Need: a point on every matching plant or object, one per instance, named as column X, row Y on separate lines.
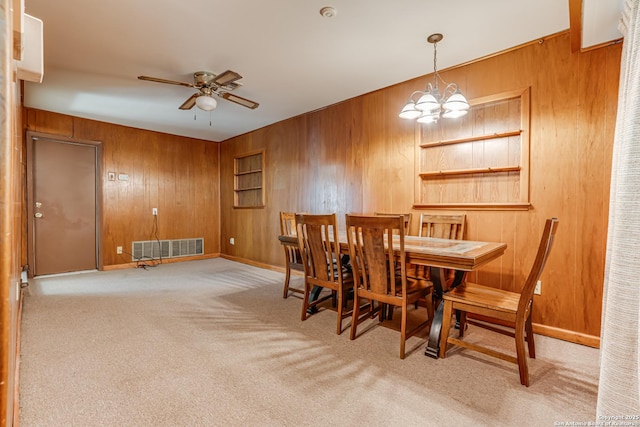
column 456, row 102
column 454, row 114
column 409, row 111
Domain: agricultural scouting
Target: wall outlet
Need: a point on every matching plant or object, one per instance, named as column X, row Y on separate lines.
column 154, row 211
column 538, row 289
column 118, row 249
column 232, row 241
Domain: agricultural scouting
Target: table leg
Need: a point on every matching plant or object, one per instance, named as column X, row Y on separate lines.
column 439, row 287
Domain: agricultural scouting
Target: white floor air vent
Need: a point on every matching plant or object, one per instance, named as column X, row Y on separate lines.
column 154, row 249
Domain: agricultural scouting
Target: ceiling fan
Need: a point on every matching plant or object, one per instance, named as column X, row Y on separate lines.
column 208, row 84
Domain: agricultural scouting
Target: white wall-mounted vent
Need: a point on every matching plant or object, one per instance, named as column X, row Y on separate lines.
column 156, row 249
column 187, row 247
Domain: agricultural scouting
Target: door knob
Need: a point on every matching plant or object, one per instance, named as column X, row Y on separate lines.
column 38, row 215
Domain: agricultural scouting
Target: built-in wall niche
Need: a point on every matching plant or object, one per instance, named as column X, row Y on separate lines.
column 248, row 180
column 478, row 161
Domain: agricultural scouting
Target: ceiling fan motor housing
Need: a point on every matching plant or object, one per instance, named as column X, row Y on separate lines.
column 203, row 78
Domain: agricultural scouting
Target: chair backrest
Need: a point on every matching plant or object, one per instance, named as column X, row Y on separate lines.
column 442, row 226
column 288, row 223
column 408, row 218
column 288, row 228
column 319, row 247
column 372, row 255
column 548, row 235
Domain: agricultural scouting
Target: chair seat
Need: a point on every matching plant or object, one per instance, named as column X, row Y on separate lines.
column 414, row 286
column 484, row 296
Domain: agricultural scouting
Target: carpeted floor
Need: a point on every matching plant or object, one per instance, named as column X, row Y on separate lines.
column 213, row 343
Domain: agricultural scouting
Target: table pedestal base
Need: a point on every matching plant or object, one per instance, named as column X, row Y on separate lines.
column 439, row 287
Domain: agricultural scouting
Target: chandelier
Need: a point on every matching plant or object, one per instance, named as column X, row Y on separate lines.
column 428, row 106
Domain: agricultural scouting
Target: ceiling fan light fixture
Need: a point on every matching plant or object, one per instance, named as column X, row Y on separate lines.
column 206, row 103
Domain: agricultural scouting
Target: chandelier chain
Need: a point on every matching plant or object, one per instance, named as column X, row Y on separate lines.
column 435, row 64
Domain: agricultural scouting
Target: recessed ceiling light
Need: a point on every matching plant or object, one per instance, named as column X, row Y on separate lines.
column 328, row 12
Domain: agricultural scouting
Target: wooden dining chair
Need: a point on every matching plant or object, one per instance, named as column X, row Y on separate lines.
column 408, row 220
column 320, row 251
column 293, row 260
column 441, row 227
column 376, row 280
column 497, row 308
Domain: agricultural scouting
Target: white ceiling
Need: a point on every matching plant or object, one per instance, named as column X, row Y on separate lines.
column 292, row 59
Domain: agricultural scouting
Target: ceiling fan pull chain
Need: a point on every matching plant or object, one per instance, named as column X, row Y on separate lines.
column 209, row 118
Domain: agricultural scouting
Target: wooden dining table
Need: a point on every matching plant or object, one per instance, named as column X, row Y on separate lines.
column 440, row 255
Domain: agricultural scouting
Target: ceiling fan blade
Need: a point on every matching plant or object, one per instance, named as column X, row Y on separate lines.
column 158, row 80
column 190, row 102
column 226, row 77
column 239, row 100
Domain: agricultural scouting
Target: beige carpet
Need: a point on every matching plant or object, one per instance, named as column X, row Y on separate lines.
column 212, row 343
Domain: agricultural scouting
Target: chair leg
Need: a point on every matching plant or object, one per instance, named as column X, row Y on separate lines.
column 403, row 330
column 446, row 325
column 530, row 340
column 287, row 277
column 355, row 315
column 305, row 301
column 463, row 322
column 430, row 309
column 340, row 308
column 523, row 367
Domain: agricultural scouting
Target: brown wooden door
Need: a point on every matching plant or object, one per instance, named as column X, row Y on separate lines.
column 63, row 206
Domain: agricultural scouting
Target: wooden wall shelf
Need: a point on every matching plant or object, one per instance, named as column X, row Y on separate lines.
column 478, row 161
column 477, row 206
column 249, row 180
column 249, row 172
column 471, row 139
column 470, row 171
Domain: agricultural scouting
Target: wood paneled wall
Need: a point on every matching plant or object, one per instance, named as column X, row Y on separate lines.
column 177, row 175
column 358, row 156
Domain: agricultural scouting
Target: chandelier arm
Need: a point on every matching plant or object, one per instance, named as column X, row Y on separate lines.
column 449, row 90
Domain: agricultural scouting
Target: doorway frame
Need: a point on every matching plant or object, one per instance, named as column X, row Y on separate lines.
column 30, row 140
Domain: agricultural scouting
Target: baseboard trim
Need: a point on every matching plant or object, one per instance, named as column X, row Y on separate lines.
column 253, row 263
column 566, row 335
column 164, row 261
